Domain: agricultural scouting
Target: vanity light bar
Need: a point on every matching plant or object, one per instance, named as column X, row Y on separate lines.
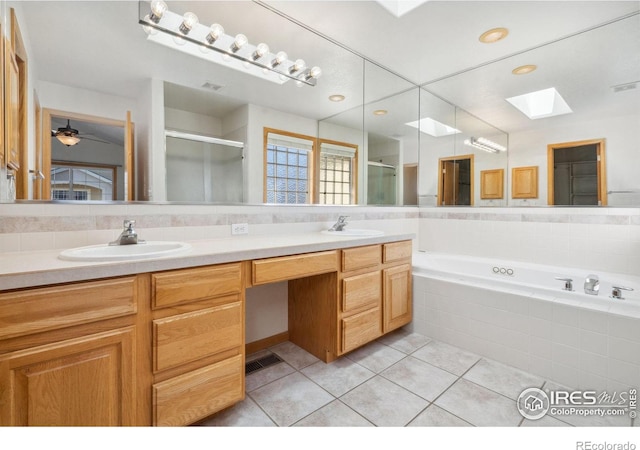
column 186, row 34
column 485, row 144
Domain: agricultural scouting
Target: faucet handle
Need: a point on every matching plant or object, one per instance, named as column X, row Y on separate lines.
column 616, row 292
column 568, row 286
column 128, row 224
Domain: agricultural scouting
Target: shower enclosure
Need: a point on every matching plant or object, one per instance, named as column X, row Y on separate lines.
column 203, row 169
column 381, row 184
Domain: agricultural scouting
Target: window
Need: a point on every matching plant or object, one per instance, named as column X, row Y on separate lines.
column 337, row 173
column 288, row 167
column 82, row 182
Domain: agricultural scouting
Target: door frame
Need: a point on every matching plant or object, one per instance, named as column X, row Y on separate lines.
column 600, row 164
column 441, row 162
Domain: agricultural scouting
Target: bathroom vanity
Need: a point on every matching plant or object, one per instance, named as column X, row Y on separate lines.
column 162, row 342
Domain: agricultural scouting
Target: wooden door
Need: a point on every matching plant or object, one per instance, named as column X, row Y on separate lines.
column 450, row 177
column 397, row 297
column 87, row 381
column 129, row 146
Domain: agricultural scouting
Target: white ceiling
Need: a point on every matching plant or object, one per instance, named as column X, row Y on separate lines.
column 100, row 46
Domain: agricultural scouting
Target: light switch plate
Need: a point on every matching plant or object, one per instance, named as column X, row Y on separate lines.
column 239, row 228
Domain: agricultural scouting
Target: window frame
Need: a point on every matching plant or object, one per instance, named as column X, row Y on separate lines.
column 353, row 195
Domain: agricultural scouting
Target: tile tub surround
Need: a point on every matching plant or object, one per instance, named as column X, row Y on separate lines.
column 402, row 379
column 46, row 226
column 602, row 238
column 570, row 344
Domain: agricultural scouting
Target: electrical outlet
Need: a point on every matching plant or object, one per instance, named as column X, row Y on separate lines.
column 239, row 228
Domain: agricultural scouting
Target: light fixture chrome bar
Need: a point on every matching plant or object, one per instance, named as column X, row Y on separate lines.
column 484, row 144
column 196, row 39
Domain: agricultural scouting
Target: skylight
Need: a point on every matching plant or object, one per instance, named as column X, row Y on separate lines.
column 433, row 127
column 541, row 104
column 400, row 7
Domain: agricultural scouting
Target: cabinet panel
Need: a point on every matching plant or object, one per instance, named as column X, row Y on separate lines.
column 524, row 182
column 88, row 381
column 191, row 336
column 397, row 297
column 360, row 328
column 361, row 290
column 187, row 398
column 397, row 251
column 360, row 257
column 42, row 309
column 293, row 267
column 187, row 285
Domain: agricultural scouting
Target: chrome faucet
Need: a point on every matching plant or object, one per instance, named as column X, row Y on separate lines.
column 616, row 292
column 568, row 286
column 340, row 224
column 591, row 285
column 128, row 235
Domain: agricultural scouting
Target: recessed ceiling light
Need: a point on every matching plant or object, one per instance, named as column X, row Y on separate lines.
column 336, row 97
column 380, row 112
column 524, row 69
column 541, row 104
column 433, row 127
column 493, row 35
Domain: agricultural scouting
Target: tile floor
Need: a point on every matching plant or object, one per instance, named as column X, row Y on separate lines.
column 402, row 379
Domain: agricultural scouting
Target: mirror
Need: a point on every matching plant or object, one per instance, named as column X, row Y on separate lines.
column 166, row 89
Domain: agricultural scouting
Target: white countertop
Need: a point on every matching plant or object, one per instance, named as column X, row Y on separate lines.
column 28, row 269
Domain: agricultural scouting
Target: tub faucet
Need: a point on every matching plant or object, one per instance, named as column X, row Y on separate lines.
column 568, row 286
column 616, row 292
column 591, row 285
column 340, row 224
column 128, row 235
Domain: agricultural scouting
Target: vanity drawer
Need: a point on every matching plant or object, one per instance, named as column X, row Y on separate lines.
column 360, row 257
column 35, row 310
column 188, row 337
column 361, row 291
column 188, row 285
column 195, row 395
column 396, row 251
column 360, row 328
column 292, row 267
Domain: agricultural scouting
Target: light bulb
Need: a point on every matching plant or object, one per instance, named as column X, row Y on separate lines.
column 190, row 21
column 279, row 59
column 158, row 7
column 298, row 66
column 215, row 32
column 240, row 41
column 315, row 72
column 261, row 50
column 147, row 29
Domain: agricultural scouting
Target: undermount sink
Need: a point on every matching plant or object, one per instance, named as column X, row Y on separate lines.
column 106, row 252
column 354, row 232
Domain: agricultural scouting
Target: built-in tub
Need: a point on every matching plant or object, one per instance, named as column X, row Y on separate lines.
column 518, row 313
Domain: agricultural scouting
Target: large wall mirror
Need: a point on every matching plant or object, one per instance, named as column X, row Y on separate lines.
column 395, row 121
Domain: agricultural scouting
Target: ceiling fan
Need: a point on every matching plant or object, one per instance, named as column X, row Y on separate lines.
column 70, row 136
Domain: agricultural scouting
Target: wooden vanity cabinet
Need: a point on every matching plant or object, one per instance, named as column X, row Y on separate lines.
column 68, row 354
column 369, row 295
column 197, row 342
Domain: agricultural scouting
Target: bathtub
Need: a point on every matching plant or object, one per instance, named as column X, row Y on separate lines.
column 518, row 314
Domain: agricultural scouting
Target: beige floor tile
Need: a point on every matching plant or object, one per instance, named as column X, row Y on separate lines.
column 384, row 403
column 243, row 414
column 420, row 377
column 447, row 357
column 294, row 355
column 404, row 341
column 376, row 356
column 501, row 378
column 291, row 398
column 479, row 406
column 263, row 376
column 335, row 414
column 434, row 416
column 338, row 377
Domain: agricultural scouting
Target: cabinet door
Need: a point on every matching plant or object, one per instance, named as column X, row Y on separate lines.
column 397, row 297
column 87, row 381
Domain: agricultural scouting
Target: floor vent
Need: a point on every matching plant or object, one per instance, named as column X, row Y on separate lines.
column 261, row 363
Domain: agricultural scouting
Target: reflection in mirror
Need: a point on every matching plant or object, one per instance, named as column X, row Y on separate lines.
column 84, row 157
column 203, row 169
